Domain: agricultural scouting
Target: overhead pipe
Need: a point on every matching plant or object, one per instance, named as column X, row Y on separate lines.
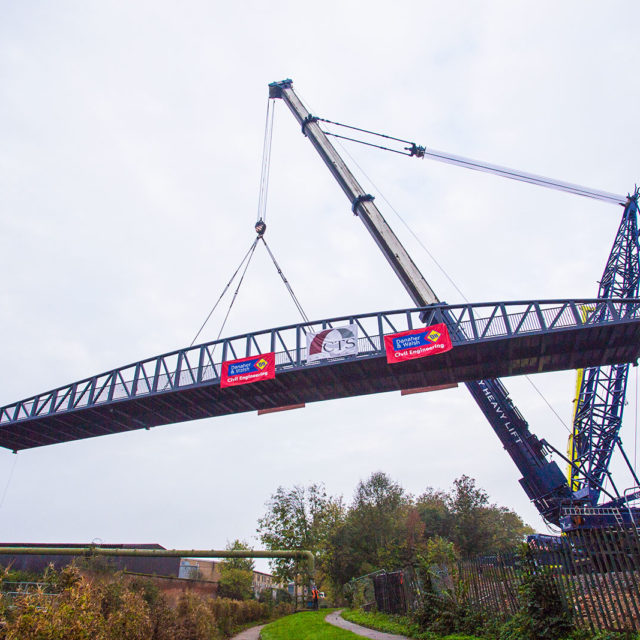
column 300, row 554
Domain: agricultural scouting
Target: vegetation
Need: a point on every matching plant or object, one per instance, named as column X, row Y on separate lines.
column 115, row 607
column 299, row 518
column 383, row 528
column 236, row 574
column 404, row 625
column 399, row 625
column 442, row 611
column 543, row 613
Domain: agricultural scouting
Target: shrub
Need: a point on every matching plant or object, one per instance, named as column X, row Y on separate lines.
column 544, row 614
column 131, row 620
column 195, row 619
column 76, row 616
column 115, row 607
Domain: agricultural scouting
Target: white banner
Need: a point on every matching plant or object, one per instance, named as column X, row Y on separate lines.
column 332, row 343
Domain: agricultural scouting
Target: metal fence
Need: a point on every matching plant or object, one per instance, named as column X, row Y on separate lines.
column 596, row 573
column 11, row 590
column 389, row 591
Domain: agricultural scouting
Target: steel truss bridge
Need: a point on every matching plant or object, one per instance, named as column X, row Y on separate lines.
column 490, row 340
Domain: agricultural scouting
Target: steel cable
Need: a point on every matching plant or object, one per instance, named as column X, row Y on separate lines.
column 266, row 162
column 235, row 294
column 286, row 282
column 406, row 224
column 478, row 165
column 442, row 269
column 235, row 273
column 6, row 489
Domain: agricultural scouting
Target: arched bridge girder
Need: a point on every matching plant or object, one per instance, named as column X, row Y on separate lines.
column 490, row 340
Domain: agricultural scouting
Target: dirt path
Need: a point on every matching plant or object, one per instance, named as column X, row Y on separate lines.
column 335, row 619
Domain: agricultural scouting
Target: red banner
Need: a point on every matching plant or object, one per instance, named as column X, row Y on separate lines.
column 417, row 343
column 248, row 370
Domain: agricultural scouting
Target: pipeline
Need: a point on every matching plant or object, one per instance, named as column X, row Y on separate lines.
column 94, row 550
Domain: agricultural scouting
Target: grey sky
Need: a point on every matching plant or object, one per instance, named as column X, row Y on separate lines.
column 129, row 169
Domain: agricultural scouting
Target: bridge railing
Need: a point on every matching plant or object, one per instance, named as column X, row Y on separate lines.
column 201, row 364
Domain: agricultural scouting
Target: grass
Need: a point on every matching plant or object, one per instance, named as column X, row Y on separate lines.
column 400, row 625
column 306, row 625
column 310, row 625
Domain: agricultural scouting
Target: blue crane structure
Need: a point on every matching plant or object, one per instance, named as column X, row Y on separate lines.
column 601, row 397
column 598, row 417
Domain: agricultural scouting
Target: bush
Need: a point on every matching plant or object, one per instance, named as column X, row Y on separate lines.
column 544, row 615
column 77, row 614
column 115, row 607
column 196, row 620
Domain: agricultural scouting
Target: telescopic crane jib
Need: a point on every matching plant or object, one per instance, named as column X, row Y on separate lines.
column 542, row 479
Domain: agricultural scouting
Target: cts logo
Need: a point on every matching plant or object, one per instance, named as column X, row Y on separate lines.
column 332, row 343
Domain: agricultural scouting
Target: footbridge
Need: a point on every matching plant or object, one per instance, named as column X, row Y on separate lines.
column 489, row 340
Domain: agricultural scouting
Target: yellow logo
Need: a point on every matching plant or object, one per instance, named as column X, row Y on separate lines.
column 261, row 364
column 433, row 336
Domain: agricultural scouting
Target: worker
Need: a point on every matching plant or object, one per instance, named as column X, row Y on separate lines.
column 314, row 595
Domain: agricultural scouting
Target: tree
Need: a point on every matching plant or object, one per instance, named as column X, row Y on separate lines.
column 236, row 574
column 299, row 518
column 507, row 528
column 246, row 564
column 384, row 527
column 467, row 504
column 433, row 508
column 381, row 531
column 480, row 527
column 379, row 514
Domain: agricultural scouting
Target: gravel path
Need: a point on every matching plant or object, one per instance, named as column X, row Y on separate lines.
column 252, row 633
column 335, row 619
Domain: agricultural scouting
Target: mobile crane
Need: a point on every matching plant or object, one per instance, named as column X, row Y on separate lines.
column 569, row 504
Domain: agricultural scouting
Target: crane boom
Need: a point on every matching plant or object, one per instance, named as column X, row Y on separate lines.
column 361, row 202
column 542, row 479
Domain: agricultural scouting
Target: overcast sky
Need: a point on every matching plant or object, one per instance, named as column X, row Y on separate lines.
column 129, row 172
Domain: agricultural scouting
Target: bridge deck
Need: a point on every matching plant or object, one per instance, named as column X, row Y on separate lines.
column 490, row 340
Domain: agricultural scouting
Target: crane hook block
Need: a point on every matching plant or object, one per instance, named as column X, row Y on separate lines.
column 261, row 227
column 367, row 197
